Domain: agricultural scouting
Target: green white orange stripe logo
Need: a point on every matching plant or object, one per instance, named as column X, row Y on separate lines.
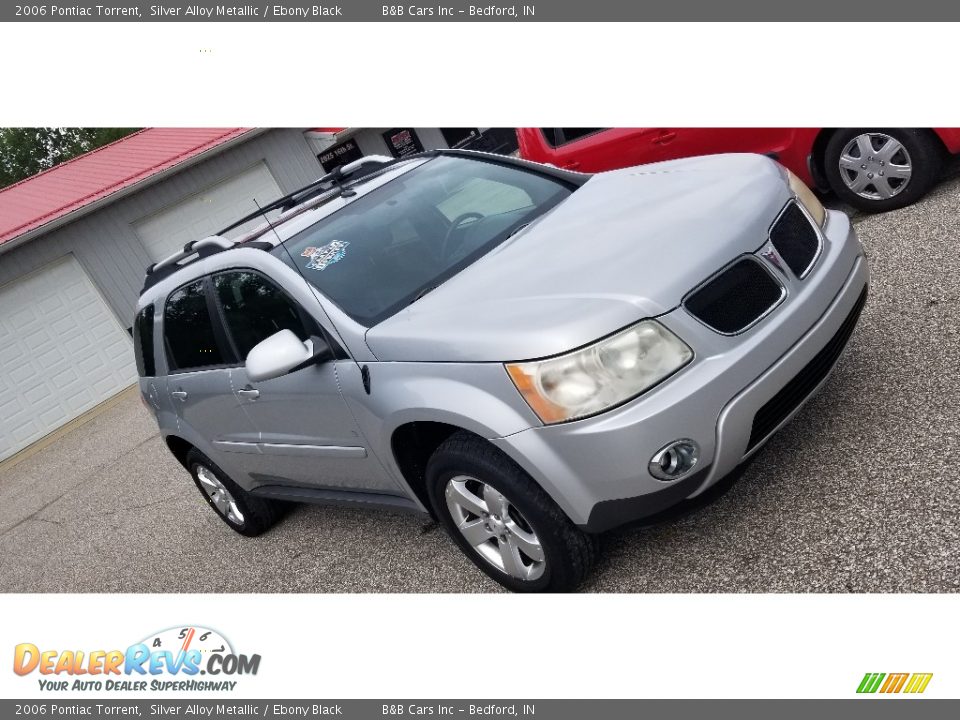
column 913, row 683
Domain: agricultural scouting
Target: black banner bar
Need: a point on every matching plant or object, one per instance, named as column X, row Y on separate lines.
column 480, row 11
column 867, row 708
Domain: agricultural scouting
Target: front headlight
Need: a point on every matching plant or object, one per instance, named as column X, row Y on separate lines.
column 805, row 197
column 600, row 376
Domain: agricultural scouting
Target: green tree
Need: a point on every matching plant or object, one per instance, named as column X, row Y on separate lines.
column 27, row 151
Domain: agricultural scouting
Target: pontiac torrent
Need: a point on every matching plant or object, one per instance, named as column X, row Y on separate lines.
column 530, row 355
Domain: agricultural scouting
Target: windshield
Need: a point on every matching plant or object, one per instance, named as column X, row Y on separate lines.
column 386, row 249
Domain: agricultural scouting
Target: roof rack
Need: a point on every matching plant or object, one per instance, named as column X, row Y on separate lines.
column 339, row 175
column 193, row 250
column 198, row 249
column 194, row 246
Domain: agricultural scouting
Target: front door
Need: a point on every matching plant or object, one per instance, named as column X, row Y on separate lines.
column 308, row 436
column 596, row 150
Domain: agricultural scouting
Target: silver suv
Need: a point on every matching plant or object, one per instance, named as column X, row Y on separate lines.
column 532, row 356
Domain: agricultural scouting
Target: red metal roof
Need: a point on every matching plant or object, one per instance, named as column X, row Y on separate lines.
column 74, row 184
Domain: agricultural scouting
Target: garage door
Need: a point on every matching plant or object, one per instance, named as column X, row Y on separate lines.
column 166, row 232
column 62, row 351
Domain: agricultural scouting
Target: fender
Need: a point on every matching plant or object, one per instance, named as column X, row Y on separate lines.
column 478, row 397
column 950, row 137
column 232, row 466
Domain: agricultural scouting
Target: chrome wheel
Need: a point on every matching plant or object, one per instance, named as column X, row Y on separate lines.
column 875, row 166
column 219, row 495
column 495, row 528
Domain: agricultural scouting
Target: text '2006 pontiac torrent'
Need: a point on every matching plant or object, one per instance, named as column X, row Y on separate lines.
column 530, row 355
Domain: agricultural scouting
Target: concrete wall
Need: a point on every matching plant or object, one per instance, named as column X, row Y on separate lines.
column 105, row 243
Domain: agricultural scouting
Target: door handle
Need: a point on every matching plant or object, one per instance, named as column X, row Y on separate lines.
column 180, row 395
column 249, row 392
column 571, row 165
column 664, row 137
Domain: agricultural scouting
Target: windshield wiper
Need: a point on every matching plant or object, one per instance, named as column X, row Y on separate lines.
column 422, row 292
column 518, row 229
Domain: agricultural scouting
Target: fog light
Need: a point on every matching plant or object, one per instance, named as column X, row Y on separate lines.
column 675, row 460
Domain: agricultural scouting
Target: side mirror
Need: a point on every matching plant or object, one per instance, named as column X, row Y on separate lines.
column 283, row 352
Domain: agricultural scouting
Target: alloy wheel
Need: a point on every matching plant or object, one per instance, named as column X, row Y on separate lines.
column 495, row 528
column 875, row 166
column 219, row 495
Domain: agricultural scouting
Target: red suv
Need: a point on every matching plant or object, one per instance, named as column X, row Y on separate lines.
column 871, row 169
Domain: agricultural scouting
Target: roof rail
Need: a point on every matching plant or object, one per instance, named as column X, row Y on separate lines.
column 192, row 247
column 350, row 169
column 193, row 250
column 340, row 174
column 196, row 249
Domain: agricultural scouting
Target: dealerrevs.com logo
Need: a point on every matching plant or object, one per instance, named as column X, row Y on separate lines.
column 179, row 659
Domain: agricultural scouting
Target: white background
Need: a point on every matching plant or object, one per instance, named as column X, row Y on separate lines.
column 509, row 646
column 499, row 75
column 479, row 74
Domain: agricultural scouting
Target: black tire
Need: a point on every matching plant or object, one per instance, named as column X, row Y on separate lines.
column 569, row 553
column 259, row 514
column 926, row 157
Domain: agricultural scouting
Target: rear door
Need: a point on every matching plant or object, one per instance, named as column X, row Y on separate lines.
column 199, row 385
column 308, row 436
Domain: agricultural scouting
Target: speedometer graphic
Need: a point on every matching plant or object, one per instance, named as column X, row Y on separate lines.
column 185, row 638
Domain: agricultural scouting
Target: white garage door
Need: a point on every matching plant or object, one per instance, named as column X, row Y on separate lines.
column 62, row 351
column 167, row 231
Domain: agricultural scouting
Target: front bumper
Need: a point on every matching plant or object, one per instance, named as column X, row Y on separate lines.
column 596, row 468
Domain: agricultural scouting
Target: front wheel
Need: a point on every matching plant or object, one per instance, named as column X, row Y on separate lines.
column 244, row 513
column 503, row 521
column 885, row 169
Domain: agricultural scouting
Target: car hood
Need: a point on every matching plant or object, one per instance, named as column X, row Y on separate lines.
column 627, row 245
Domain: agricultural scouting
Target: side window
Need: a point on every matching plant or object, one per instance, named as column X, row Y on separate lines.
column 571, row 134
column 188, row 330
column 550, row 135
column 562, row 136
column 254, row 309
column 143, row 342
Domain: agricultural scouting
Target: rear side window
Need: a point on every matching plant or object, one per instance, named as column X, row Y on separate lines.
column 254, row 309
column 562, row 136
column 143, row 342
column 188, row 330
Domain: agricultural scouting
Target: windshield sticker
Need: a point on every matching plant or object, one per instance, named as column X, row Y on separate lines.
column 321, row 257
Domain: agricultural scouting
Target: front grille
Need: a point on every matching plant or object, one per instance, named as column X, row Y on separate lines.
column 779, row 407
column 795, row 238
column 736, row 298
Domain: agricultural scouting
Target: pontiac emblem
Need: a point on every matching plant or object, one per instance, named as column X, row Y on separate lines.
column 771, row 256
